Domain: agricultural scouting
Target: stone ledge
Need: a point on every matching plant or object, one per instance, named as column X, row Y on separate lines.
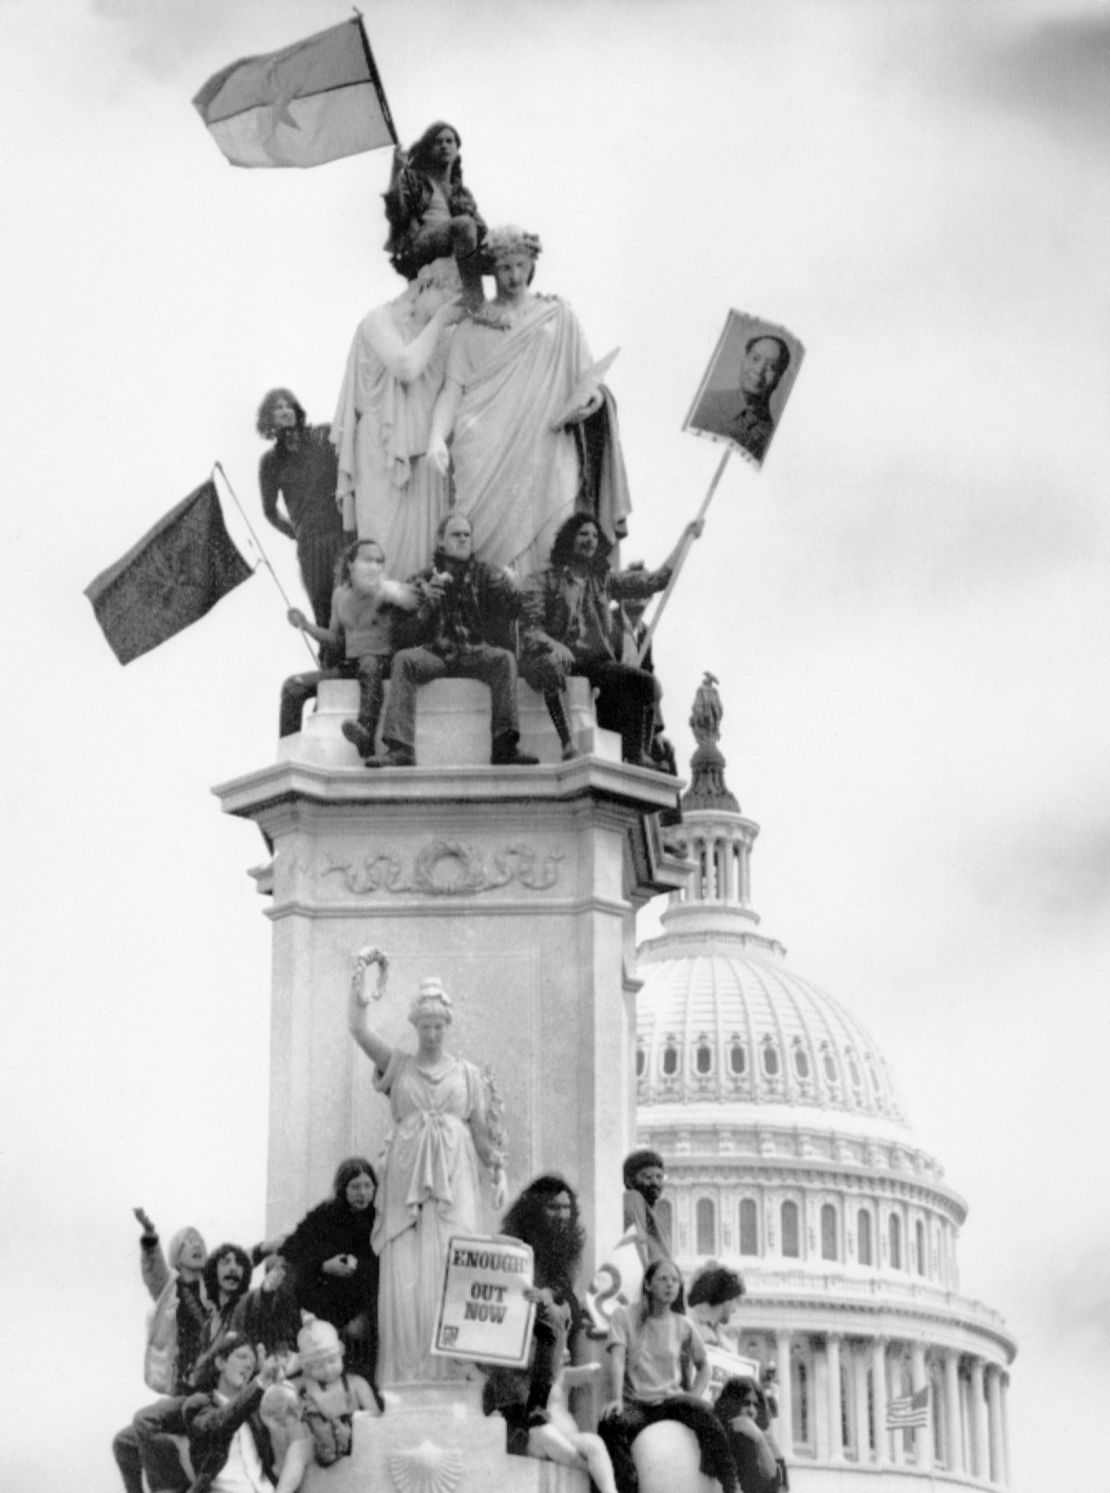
column 452, row 726
column 433, row 1438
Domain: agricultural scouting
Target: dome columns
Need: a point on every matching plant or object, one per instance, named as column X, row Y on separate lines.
column 980, row 1448
column 953, row 1420
column 860, row 1363
column 922, row 1435
column 785, row 1428
column 996, row 1429
column 879, row 1381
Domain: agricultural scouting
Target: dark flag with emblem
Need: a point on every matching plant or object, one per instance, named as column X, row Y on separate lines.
column 176, row 573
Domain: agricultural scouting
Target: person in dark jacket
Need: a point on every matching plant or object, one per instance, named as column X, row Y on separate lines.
column 229, row 1445
column 335, row 1270
column 301, row 469
column 268, row 1315
column 431, row 213
column 227, row 1278
column 464, row 608
column 569, row 629
column 739, row 1408
column 544, row 1216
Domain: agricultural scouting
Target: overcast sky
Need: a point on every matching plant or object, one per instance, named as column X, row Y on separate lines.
column 908, row 609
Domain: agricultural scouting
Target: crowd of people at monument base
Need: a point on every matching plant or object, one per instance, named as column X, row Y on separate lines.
column 457, row 517
column 260, row 1382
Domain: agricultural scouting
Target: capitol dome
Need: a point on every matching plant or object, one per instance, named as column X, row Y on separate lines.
column 789, row 1158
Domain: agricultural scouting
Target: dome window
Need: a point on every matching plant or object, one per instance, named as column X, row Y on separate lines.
column 801, row 1059
column 770, row 1058
column 705, row 1227
column 863, row 1234
column 641, row 1062
column 853, row 1069
column 749, row 1227
column 829, row 1249
column 737, row 1058
column 919, row 1241
column 670, row 1060
column 828, row 1062
column 791, row 1246
column 895, row 1235
column 703, row 1056
column 872, row 1072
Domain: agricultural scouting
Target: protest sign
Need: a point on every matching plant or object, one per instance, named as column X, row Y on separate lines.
column 743, row 391
column 724, row 1366
column 483, row 1313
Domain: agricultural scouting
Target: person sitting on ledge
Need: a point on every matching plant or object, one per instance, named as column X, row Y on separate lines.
column 178, row 1332
column 715, row 1293
column 740, row 1408
column 465, row 610
column 268, row 1315
column 431, row 213
column 333, row 1265
column 364, row 609
column 229, row 1443
column 569, row 629
column 649, row 1344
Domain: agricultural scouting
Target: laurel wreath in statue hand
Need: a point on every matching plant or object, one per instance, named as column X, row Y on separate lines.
column 363, row 959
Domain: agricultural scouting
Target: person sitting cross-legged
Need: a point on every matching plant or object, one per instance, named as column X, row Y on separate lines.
column 464, row 614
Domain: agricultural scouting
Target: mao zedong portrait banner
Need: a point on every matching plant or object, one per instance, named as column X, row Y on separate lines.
column 744, row 390
column 483, row 1313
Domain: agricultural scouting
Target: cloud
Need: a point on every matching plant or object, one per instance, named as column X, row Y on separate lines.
column 1057, row 869
column 1082, row 1295
column 158, row 35
column 1059, row 72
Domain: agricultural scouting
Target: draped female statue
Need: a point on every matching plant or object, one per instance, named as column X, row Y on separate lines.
column 430, row 1185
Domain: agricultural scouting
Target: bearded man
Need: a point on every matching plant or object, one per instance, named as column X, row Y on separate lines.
column 544, row 1216
column 644, row 1180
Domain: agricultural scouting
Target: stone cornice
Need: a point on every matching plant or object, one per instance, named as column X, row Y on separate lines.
column 786, row 1171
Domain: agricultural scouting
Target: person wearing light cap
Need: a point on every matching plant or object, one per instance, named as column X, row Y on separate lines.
column 178, row 1331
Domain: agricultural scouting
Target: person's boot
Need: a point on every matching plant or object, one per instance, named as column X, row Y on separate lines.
column 556, row 709
column 363, row 731
column 395, row 755
column 505, row 753
column 357, row 734
column 636, row 746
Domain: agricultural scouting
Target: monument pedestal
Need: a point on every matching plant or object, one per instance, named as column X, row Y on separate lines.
column 518, row 887
column 434, row 1438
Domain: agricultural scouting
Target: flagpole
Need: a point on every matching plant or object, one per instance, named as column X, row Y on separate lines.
column 375, row 76
column 686, row 542
column 218, row 467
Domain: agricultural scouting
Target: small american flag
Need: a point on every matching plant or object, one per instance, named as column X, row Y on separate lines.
column 909, row 1410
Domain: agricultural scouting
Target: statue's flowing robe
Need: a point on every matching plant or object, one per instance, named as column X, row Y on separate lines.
column 389, row 491
column 516, row 479
column 430, row 1189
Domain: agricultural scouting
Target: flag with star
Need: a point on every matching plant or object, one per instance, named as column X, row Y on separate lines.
column 312, row 102
column 174, row 575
